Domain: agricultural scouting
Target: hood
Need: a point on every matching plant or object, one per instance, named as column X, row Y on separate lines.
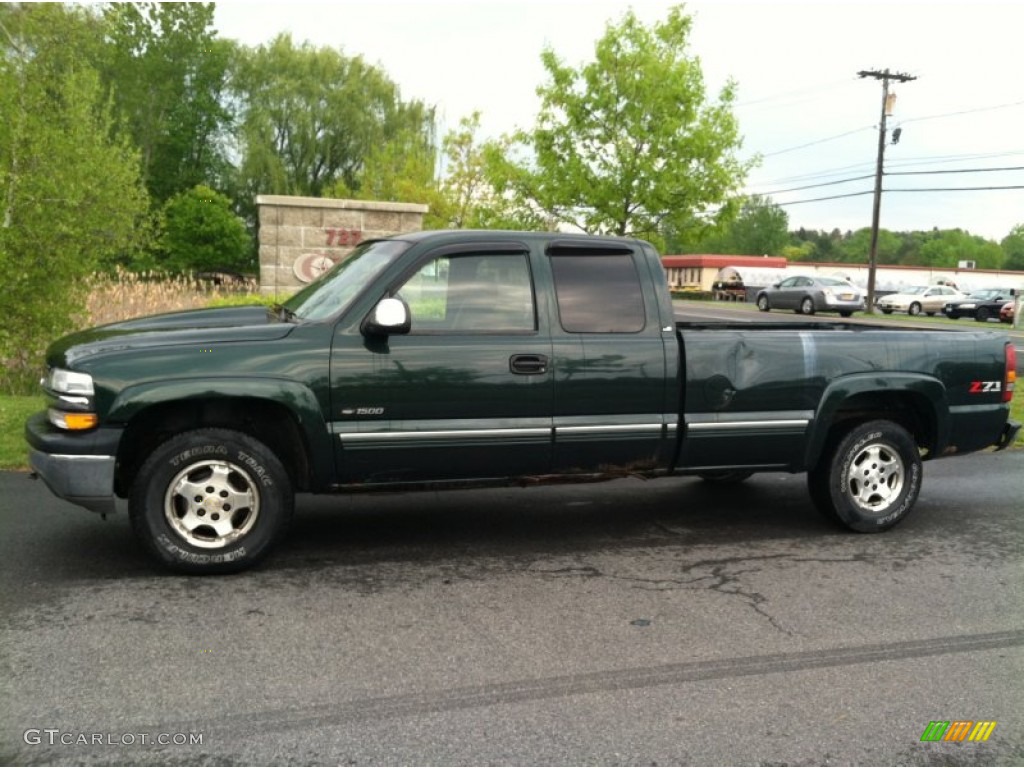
column 200, row 326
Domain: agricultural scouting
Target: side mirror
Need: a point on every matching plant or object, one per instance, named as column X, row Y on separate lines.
column 389, row 317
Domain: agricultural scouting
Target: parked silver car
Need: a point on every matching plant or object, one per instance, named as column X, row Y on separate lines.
column 807, row 295
column 929, row 299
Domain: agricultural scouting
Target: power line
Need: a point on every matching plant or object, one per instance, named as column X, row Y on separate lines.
column 813, row 89
column 769, row 193
column 819, row 141
column 815, row 186
column 963, row 112
column 955, row 170
column 955, row 189
column 830, row 197
column 900, row 189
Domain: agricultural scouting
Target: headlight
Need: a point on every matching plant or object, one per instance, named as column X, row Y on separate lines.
column 69, row 382
column 71, row 395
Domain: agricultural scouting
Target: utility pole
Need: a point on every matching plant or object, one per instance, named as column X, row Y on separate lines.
column 885, row 76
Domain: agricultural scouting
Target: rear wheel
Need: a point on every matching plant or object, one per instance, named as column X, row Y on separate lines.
column 762, row 303
column 982, row 315
column 807, row 306
column 868, row 477
column 211, row 501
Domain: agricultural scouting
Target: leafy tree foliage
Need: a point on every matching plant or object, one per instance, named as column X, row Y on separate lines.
column 310, row 118
column 630, row 143
column 202, row 233
column 472, row 191
column 1013, row 248
column 167, row 74
column 72, row 199
column 759, row 228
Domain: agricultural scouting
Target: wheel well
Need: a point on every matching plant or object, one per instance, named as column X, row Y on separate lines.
column 910, row 410
column 270, row 423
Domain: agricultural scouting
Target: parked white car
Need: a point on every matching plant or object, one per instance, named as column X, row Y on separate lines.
column 929, row 299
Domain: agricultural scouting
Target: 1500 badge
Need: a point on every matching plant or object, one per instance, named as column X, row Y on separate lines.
column 981, row 387
column 367, row 411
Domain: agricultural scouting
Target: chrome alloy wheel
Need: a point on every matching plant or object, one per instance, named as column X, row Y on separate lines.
column 210, row 504
column 875, row 477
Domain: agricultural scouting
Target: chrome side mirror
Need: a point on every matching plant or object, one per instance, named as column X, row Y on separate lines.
column 389, row 317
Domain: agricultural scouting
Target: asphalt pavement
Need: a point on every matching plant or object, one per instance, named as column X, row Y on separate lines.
column 635, row 622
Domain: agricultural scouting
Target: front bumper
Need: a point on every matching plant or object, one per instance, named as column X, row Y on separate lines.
column 77, row 467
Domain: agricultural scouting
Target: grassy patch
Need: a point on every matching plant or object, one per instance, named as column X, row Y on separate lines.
column 14, row 409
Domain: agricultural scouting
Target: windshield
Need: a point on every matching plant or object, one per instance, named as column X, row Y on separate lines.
column 990, row 293
column 915, row 290
column 339, row 286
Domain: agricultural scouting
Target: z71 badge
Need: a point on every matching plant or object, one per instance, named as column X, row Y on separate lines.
column 982, row 387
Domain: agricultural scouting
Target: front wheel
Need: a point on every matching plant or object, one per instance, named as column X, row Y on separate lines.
column 914, row 310
column 211, row 501
column 762, row 303
column 868, row 478
column 982, row 315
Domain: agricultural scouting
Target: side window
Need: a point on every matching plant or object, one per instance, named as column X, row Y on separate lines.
column 598, row 294
column 476, row 293
column 788, row 282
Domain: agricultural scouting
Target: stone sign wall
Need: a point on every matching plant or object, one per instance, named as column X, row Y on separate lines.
column 302, row 237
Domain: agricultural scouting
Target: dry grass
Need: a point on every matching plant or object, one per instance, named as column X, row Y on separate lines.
column 124, row 295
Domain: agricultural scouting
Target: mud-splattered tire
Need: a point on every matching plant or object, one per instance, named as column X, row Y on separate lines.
column 868, row 478
column 211, row 501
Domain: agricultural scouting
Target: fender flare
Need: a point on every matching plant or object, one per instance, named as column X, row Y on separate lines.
column 295, row 397
column 925, row 389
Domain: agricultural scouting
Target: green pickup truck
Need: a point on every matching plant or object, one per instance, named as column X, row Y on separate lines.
column 489, row 357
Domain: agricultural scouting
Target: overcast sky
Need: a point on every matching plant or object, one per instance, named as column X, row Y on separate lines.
column 796, row 68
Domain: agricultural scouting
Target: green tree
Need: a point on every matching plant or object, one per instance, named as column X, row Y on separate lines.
column 629, row 143
column 201, row 233
column 1013, row 249
column 760, row 228
column 855, row 248
column 310, row 118
column 471, row 185
column 945, row 248
column 167, row 73
column 71, row 194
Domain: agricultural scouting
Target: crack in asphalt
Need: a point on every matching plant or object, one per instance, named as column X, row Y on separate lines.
column 721, row 578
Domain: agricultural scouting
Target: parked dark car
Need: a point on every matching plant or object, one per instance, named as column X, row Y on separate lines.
column 981, row 305
column 807, row 295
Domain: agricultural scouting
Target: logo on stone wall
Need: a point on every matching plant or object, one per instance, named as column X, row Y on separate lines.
column 309, row 266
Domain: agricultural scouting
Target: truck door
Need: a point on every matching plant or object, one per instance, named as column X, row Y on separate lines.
column 468, row 392
column 609, row 360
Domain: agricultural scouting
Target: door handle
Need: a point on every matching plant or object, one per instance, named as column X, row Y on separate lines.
column 527, row 364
